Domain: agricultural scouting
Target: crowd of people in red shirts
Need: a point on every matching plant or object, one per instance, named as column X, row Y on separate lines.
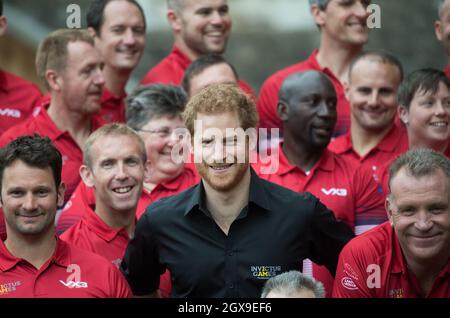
column 357, row 148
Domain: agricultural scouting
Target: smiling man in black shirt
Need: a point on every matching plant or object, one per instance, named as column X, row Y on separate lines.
column 230, row 233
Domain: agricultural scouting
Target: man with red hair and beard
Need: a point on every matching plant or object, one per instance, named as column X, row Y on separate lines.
column 231, row 232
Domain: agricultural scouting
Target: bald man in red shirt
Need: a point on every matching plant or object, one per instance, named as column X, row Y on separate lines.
column 307, row 107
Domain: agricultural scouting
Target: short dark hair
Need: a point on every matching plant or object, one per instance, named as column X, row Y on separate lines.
column 148, row 101
column 291, row 282
column 96, row 13
column 1, row 7
column 202, row 63
column 35, row 151
column 381, row 56
column 420, row 162
column 426, row 80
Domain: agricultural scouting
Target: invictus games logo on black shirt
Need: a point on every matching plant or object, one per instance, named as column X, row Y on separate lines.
column 265, row 271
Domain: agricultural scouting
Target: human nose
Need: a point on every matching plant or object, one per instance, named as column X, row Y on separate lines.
column 216, row 18
column 129, row 37
column 373, row 99
column 423, row 222
column 360, row 9
column 99, row 79
column 29, row 203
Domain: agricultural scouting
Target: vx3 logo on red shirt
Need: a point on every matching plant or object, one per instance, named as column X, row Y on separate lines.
column 74, row 280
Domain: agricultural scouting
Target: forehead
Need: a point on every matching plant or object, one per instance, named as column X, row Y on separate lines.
column 407, row 188
column 441, row 89
column 373, row 69
column 196, row 4
column 217, row 122
column 164, row 120
column 82, row 53
column 312, row 84
column 115, row 146
column 20, row 174
column 122, row 12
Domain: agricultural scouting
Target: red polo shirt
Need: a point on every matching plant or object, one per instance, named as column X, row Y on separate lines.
column 84, row 196
column 113, row 108
column 268, row 96
column 18, row 98
column 69, row 273
column 390, row 147
column 350, row 193
column 446, row 70
column 378, row 253
column 171, row 71
column 71, row 153
column 92, row 234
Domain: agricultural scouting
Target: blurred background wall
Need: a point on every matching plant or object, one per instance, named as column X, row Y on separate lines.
column 267, row 35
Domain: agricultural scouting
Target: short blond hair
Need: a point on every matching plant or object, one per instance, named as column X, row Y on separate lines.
column 221, row 98
column 52, row 51
column 114, row 129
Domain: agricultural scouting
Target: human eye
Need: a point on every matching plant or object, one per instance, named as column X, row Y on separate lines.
column 163, row 133
column 204, row 11
column 16, row 193
column 118, row 29
column 223, row 10
column 106, row 164
column 42, row 192
column 132, row 161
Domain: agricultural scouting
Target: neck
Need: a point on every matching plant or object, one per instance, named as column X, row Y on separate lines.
column 363, row 141
column 299, row 155
column 115, row 80
column 225, row 207
column 414, row 143
column 180, row 44
column 78, row 125
column 35, row 249
column 426, row 272
column 118, row 219
column 336, row 57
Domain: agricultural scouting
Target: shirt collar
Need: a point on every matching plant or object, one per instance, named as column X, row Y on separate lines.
column 99, row 227
column 314, row 64
column 326, row 162
column 257, row 195
column 181, row 57
column 108, row 97
column 45, row 123
column 399, row 265
column 60, row 256
column 391, row 141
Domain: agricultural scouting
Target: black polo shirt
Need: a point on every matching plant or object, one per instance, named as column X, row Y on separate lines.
column 273, row 234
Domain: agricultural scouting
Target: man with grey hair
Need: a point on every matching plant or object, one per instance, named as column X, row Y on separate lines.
column 199, row 28
column 293, row 284
column 442, row 29
column 409, row 256
column 343, row 33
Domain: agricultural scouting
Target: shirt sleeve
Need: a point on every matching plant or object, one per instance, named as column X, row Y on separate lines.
column 369, row 197
column 140, row 264
column 119, row 286
column 327, row 236
column 351, row 276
